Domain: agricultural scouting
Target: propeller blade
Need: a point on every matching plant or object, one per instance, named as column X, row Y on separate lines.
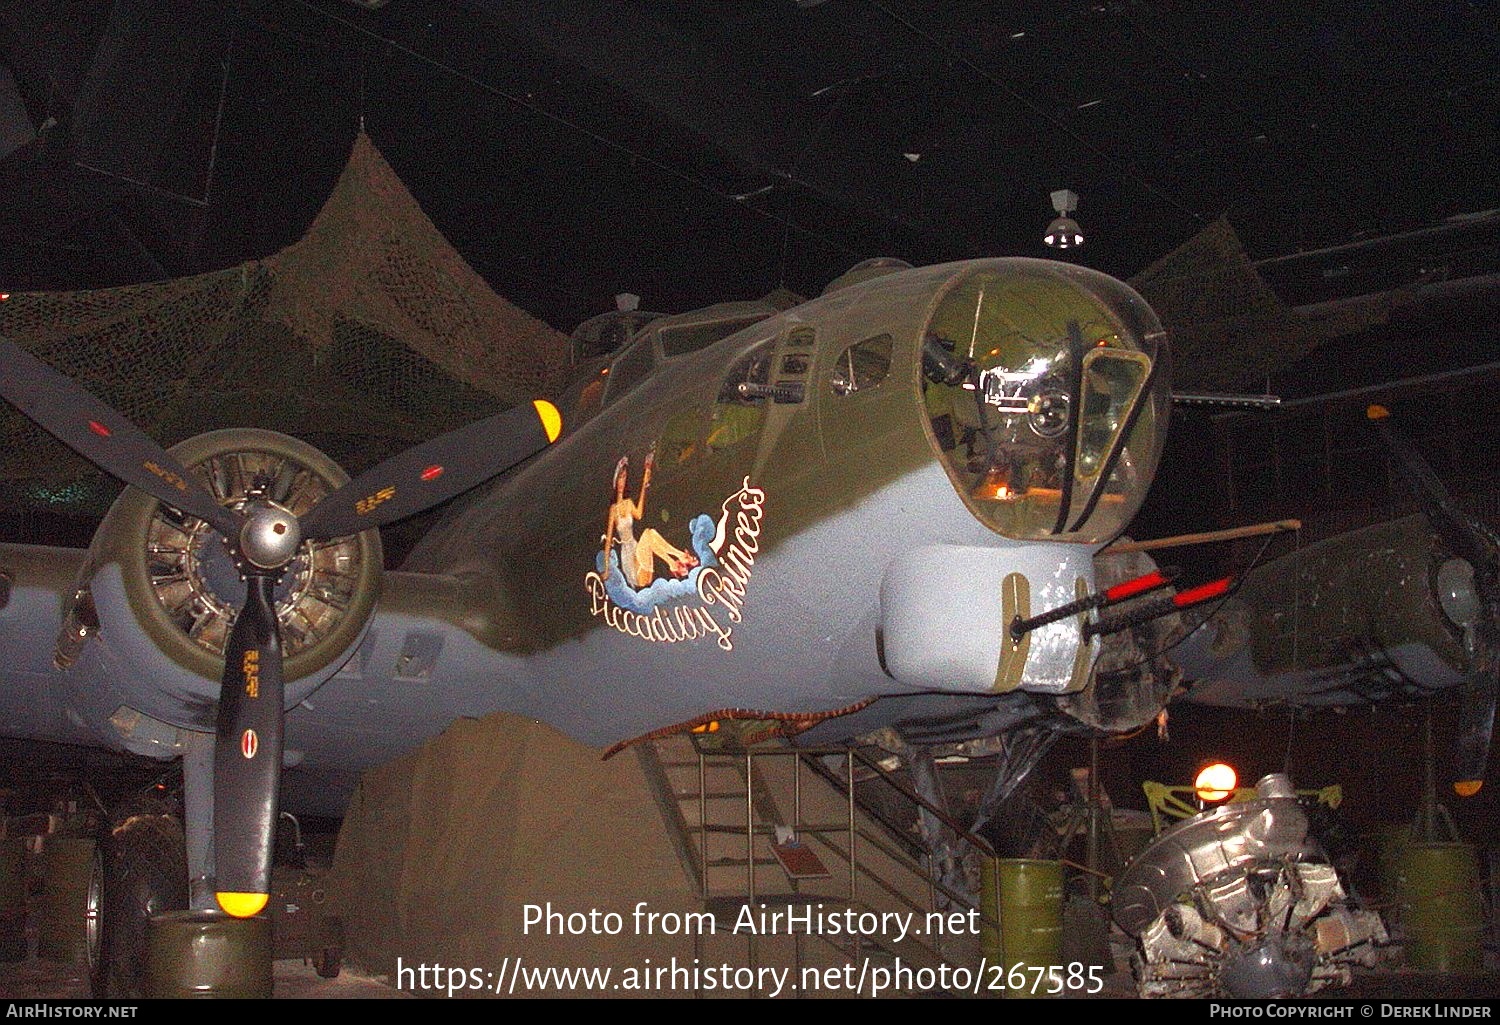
column 247, row 754
column 1476, row 725
column 1470, row 541
column 434, row 471
column 1457, row 532
column 104, row 437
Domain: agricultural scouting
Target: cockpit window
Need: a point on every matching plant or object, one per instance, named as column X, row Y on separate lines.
column 863, row 365
column 607, row 333
column 1043, row 396
column 630, row 369
column 635, row 364
column 1112, row 378
column 684, row 338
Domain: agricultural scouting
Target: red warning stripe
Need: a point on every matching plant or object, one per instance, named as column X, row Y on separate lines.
column 1129, row 588
column 1201, row 593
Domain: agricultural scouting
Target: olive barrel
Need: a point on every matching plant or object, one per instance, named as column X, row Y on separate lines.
column 1441, row 909
column 12, row 900
column 1025, row 897
column 208, row 954
column 67, row 915
column 1390, row 843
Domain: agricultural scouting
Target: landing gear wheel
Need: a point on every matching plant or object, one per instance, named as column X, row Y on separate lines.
column 144, row 862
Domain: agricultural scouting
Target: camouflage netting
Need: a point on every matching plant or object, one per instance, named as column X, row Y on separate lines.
column 1228, row 329
column 368, row 334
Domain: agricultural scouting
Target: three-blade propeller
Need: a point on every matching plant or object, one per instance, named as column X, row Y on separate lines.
column 1471, row 541
column 264, row 538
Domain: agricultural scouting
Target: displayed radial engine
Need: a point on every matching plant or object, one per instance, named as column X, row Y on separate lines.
column 1242, row 902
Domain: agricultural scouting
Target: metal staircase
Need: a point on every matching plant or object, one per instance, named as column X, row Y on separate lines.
column 764, row 828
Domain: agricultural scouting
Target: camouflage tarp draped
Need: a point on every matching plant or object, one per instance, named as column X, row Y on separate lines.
column 366, row 335
column 1228, row 329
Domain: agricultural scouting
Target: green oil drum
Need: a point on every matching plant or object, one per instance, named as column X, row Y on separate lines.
column 1441, row 908
column 1390, row 843
column 67, row 913
column 1025, row 897
column 208, row 954
column 12, row 900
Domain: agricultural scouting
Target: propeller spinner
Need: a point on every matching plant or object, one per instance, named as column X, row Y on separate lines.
column 265, row 537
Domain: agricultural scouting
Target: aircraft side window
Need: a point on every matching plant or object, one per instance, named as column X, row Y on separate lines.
column 1112, row 378
column 736, row 415
column 630, row 369
column 679, row 438
column 863, row 365
column 590, row 399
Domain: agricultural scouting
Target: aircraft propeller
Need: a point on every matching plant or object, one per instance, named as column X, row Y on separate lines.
column 1475, row 544
column 264, row 538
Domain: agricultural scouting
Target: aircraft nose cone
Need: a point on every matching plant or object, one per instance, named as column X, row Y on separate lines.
column 270, row 537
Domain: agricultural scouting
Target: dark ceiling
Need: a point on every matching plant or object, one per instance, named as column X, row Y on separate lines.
column 707, row 149
column 702, row 150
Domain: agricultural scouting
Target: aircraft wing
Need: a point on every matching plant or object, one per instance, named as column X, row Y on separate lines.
column 1386, row 612
column 36, row 583
column 410, row 676
column 414, row 671
column 1349, row 620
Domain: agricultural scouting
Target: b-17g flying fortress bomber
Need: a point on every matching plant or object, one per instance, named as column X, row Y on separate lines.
column 778, row 513
column 853, row 513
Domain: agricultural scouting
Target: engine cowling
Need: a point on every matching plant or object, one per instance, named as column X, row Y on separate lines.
column 160, row 588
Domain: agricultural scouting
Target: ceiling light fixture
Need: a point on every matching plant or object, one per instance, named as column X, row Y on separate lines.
column 1064, row 232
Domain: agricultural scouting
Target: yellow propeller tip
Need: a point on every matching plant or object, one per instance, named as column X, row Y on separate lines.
column 1467, row 787
column 551, row 418
column 243, row 905
column 1377, row 412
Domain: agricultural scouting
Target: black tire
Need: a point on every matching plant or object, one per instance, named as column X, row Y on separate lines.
column 145, row 874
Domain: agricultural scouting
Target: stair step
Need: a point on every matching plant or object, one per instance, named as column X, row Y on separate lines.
column 799, row 861
column 723, row 786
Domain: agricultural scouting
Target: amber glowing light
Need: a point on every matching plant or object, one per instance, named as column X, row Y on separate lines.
column 995, row 486
column 1215, row 782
